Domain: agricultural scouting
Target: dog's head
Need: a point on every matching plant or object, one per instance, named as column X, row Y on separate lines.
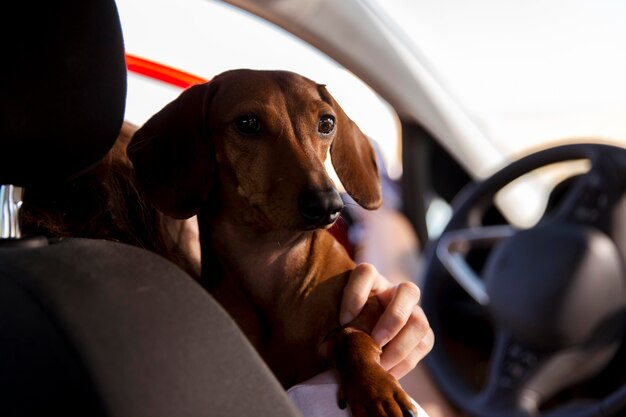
column 254, row 143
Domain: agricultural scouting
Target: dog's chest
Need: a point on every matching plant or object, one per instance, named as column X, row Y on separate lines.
column 275, row 296
column 246, row 314
column 289, row 349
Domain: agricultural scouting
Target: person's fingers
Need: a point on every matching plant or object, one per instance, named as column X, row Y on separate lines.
column 406, row 341
column 404, row 299
column 403, row 367
column 402, row 330
column 363, row 281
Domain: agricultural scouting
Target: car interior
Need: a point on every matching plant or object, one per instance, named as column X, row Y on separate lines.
column 529, row 321
column 88, row 326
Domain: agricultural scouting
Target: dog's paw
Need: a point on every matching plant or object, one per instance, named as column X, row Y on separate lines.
column 375, row 393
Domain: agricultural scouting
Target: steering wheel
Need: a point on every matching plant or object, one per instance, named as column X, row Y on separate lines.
column 525, row 318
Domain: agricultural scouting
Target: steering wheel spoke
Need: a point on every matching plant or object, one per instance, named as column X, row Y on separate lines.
column 452, row 251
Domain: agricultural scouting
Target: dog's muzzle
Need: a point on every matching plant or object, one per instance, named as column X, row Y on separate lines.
column 320, row 208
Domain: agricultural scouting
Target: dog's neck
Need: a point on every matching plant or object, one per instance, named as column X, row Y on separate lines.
column 251, row 255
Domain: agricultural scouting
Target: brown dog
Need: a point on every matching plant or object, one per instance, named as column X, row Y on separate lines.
column 245, row 152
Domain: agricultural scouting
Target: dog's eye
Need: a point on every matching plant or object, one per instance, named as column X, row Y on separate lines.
column 248, row 124
column 326, row 125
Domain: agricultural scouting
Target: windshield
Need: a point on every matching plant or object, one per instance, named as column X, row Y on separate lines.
column 530, row 74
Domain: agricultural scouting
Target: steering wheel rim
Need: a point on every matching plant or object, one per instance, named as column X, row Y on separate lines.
column 485, row 403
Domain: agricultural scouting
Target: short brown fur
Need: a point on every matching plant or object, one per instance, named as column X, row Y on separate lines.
column 278, row 275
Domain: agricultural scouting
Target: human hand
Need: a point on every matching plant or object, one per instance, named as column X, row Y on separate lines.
column 403, row 330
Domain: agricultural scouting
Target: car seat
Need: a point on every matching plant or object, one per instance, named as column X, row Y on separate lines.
column 93, row 327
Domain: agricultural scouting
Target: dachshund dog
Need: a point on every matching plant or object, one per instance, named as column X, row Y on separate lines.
column 245, row 153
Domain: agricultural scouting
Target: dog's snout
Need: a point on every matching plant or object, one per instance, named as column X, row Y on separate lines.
column 320, row 208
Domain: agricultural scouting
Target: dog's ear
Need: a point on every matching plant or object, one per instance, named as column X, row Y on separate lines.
column 354, row 159
column 172, row 154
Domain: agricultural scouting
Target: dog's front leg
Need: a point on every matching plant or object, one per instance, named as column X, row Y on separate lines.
column 365, row 385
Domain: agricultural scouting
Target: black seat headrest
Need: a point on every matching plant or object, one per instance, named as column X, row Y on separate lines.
column 63, row 88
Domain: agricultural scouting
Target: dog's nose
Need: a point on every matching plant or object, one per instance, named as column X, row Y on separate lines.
column 320, row 208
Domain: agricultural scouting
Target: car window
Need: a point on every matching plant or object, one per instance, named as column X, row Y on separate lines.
column 205, row 38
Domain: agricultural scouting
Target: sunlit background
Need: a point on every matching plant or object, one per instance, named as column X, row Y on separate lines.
column 528, row 73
